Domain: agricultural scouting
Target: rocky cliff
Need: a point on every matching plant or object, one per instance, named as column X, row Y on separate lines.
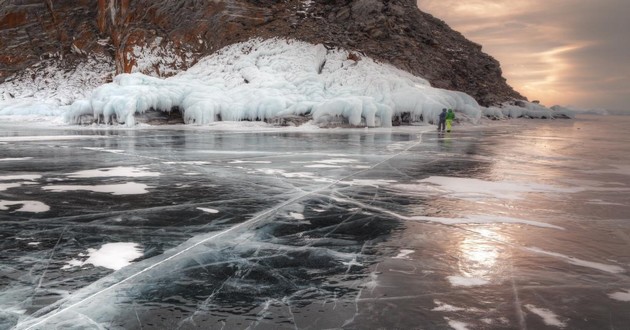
column 162, row 37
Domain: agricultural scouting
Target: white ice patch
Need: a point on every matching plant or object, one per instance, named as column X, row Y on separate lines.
column 192, row 162
column 14, row 159
column 466, row 281
column 300, row 175
column 236, row 161
column 371, row 183
column 5, row 186
column 50, row 138
column 621, row 295
column 483, row 219
column 442, row 307
column 475, row 189
column 27, row 206
column 129, row 188
column 322, row 166
column 208, row 210
column 549, row 317
column 404, row 254
column 296, row 216
column 112, row 255
column 30, row 177
column 457, row 325
column 120, row 171
column 113, row 151
column 336, row 161
column 575, row 261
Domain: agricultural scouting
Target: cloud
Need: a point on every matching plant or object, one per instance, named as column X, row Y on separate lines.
column 561, row 52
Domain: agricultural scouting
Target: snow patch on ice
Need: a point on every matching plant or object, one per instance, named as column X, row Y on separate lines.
column 466, row 281
column 35, row 138
column 621, row 295
column 14, row 159
column 366, row 182
column 208, row 210
column 296, row 216
column 129, row 188
column 114, row 151
column 190, row 162
column 237, row 161
column 30, row 177
column 404, row 254
column 120, row 171
column 322, row 166
column 549, row 317
column 457, row 325
column 443, row 307
column 111, row 255
column 5, row 186
column 579, row 262
column 27, row 206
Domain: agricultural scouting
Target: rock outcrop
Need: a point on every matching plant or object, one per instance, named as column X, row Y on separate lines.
column 163, row 37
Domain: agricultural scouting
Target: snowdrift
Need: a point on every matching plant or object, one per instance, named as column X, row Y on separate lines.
column 269, row 79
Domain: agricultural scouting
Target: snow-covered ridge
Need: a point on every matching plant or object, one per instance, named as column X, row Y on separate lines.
column 266, row 79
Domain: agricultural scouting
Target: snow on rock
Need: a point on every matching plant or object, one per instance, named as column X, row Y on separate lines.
column 45, row 90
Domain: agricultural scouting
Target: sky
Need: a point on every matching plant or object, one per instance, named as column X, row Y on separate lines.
column 568, row 52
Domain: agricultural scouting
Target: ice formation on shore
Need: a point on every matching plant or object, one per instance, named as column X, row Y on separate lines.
column 267, row 79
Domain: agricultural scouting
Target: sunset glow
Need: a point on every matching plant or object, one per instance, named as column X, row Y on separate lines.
column 565, row 52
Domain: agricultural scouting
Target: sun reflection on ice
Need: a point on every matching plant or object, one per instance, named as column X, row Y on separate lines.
column 478, row 255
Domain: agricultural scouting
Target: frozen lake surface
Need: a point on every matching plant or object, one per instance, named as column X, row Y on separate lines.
column 523, row 224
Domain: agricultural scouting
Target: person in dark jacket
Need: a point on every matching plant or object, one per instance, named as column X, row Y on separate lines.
column 449, row 119
column 442, row 121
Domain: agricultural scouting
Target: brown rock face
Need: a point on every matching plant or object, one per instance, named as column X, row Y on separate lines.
column 181, row 32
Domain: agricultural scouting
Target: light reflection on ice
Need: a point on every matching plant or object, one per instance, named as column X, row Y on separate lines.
column 478, row 256
column 475, row 189
column 129, row 188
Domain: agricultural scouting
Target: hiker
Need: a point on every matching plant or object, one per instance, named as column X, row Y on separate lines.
column 450, row 115
column 442, row 120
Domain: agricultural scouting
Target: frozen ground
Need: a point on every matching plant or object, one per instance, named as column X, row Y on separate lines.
column 524, row 224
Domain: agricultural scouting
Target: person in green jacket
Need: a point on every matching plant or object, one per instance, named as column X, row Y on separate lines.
column 450, row 115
